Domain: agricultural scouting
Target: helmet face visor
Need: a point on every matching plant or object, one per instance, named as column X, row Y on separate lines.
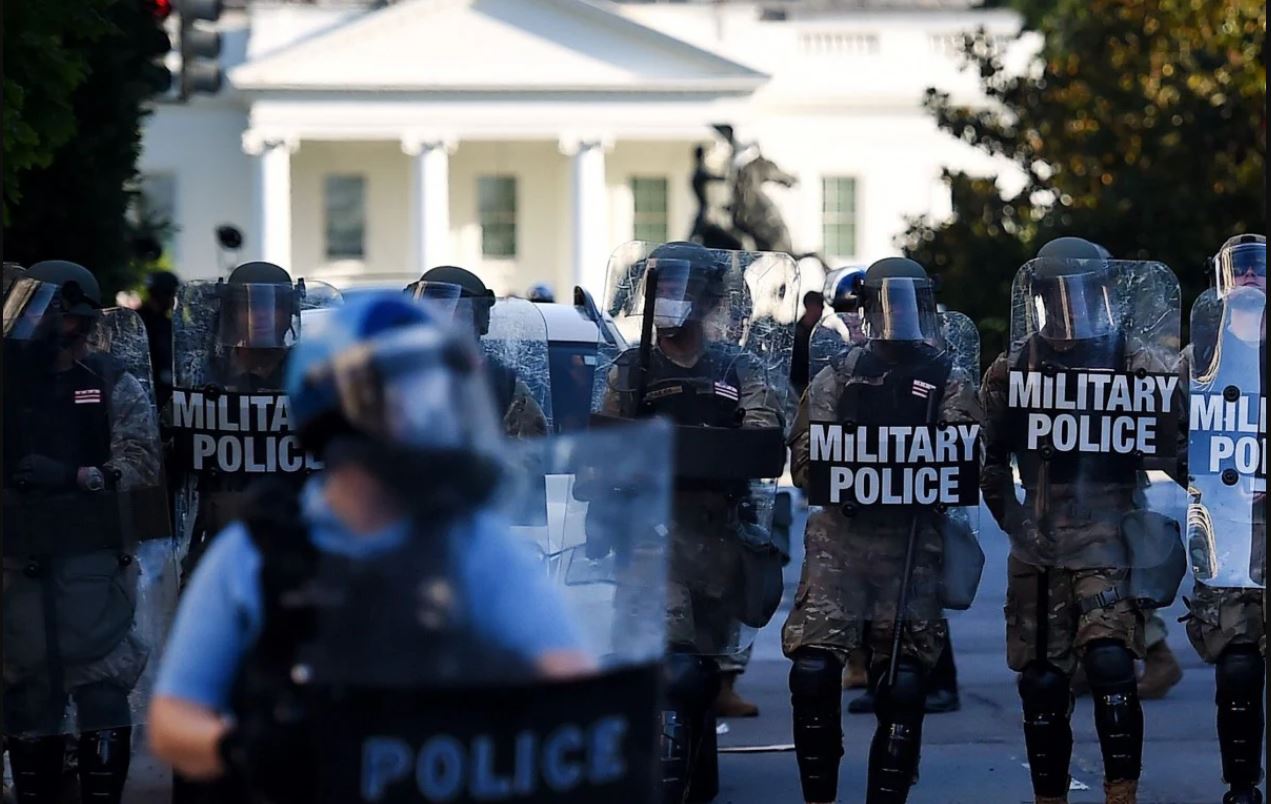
column 419, row 388
column 258, row 316
column 673, row 296
column 900, row 309
column 1243, row 265
column 30, row 308
column 1074, row 306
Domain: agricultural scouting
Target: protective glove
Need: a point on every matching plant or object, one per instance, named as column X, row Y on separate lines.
column 42, row 472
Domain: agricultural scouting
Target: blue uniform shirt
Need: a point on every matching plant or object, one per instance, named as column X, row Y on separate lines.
column 219, row 617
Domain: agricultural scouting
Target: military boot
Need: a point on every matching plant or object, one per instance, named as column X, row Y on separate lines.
column 1123, row 791
column 728, row 703
column 855, row 672
column 1244, row 795
column 1160, row 672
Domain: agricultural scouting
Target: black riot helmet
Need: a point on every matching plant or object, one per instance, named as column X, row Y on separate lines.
column 1241, row 262
column 260, row 307
column 81, row 294
column 1071, row 290
column 458, row 289
column 899, row 302
column 691, row 283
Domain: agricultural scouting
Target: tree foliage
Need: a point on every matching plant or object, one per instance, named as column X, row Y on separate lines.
column 80, row 92
column 1142, row 126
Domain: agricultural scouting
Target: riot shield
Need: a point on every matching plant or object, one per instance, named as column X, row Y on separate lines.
column 713, row 334
column 228, row 419
column 515, row 348
column 890, row 461
column 404, row 701
column 1226, row 460
column 12, row 273
column 1092, row 417
column 89, row 559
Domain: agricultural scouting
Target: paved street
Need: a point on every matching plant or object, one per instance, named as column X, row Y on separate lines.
column 975, row 756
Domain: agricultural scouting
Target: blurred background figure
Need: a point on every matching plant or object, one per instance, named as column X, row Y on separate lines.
column 156, row 313
column 813, row 310
column 541, row 292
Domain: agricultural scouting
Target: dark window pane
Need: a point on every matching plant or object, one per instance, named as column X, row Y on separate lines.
column 496, row 211
column 344, row 202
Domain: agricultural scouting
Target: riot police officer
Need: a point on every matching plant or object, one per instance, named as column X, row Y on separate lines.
column 84, row 509
column 1226, row 625
column 867, row 581
column 386, row 569
column 471, row 299
column 689, row 308
column 1087, row 558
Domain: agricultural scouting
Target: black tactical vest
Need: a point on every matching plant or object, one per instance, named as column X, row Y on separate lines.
column 1108, row 352
column 705, row 394
column 392, row 625
column 902, row 389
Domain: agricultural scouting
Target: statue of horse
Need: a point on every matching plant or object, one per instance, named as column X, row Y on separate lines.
column 755, row 215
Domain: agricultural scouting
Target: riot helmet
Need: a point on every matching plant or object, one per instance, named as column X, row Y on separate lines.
column 385, row 381
column 58, row 302
column 474, row 298
column 1071, row 290
column 259, row 307
column 542, row 292
column 1242, row 262
column 845, row 296
column 899, row 303
column 690, row 285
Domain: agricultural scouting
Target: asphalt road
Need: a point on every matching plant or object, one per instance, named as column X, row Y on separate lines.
column 975, row 756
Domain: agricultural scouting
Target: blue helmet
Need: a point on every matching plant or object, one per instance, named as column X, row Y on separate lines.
column 845, row 295
column 384, row 368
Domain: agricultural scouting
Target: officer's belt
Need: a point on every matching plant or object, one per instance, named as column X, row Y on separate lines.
column 70, row 524
column 721, row 453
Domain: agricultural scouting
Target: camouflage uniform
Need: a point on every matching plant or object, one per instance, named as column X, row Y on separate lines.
column 1084, row 525
column 706, row 561
column 1222, row 617
column 852, row 567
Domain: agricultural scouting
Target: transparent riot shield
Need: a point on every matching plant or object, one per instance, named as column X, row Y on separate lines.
column 1090, row 412
column 889, row 456
column 405, row 698
column 89, row 559
column 1226, row 517
column 228, row 420
column 713, row 336
column 515, row 347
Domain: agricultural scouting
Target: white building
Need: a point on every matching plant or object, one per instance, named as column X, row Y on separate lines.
column 525, row 139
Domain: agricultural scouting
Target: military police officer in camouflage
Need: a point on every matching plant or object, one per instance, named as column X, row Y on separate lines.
column 1086, row 560
column 870, row 573
column 1227, row 520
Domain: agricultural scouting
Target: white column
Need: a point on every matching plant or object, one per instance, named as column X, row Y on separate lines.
column 429, row 199
column 271, row 198
column 590, row 207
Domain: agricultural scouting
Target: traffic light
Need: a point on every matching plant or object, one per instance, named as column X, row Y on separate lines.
column 200, row 47
column 156, row 74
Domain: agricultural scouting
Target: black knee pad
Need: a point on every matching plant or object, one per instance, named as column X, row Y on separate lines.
column 1044, row 688
column 1118, row 714
column 1240, row 673
column 689, row 762
column 1109, row 665
column 816, row 697
column 1047, row 699
column 907, row 693
column 104, row 757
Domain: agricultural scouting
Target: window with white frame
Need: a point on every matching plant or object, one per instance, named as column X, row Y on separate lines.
column 496, row 211
column 838, row 216
column 344, row 213
column 649, row 213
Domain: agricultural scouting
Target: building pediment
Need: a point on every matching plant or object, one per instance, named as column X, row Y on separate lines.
column 494, row 45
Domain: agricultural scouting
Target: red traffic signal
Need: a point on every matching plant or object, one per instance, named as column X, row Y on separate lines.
column 160, row 8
